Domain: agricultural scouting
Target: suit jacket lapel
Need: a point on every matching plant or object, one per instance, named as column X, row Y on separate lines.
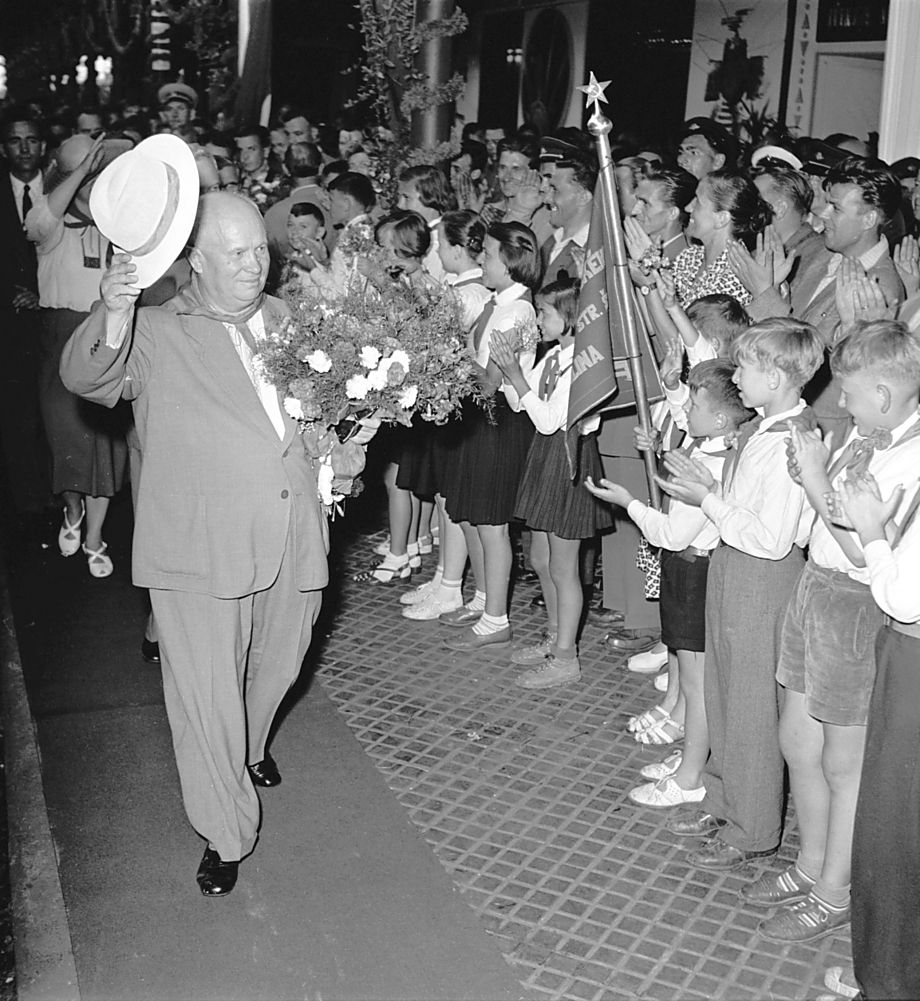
column 218, row 355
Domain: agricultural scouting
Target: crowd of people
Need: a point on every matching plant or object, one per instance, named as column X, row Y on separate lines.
column 776, row 590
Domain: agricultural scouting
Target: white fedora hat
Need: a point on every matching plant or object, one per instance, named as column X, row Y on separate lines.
column 145, row 203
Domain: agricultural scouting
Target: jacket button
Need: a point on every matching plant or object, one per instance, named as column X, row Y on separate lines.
column 284, row 495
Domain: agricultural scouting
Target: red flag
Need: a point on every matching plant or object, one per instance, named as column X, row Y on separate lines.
column 254, row 98
column 601, row 372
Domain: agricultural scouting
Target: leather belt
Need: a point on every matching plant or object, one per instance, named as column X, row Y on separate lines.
column 691, row 554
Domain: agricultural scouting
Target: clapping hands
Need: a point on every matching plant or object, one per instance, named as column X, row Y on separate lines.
column 690, row 481
column 504, row 355
column 807, row 455
column 637, row 240
column 859, row 505
column 767, row 267
column 858, row 296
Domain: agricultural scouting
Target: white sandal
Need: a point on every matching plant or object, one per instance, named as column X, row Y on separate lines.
column 665, row 731
column 392, row 570
column 648, row 719
column 99, row 564
column 69, row 535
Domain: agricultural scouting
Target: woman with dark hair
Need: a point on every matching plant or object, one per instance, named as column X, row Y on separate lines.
column 727, row 207
column 659, row 213
column 424, row 189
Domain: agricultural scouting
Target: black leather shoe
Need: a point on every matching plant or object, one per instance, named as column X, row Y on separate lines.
column 632, row 640
column 538, row 601
column 717, row 856
column 701, row 825
column 526, row 576
column 265, row 772
column 150, row 651
column 605, row 617
column 216, row 878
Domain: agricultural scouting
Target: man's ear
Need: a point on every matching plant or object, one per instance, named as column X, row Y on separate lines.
column 721, row 420
column 780, row 209
column 773, row 379
column 718, row 161
column 195, row 260
column 870, row 220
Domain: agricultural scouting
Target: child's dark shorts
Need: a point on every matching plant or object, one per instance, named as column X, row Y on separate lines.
column 827, row 652
column 682, row 599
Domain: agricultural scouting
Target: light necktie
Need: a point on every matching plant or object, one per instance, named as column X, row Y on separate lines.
column 550, row 377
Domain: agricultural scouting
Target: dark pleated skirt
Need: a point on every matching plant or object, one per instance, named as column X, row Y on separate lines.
column 489, row 461
column 549, row 500
column 87, row 440
column 416, row 461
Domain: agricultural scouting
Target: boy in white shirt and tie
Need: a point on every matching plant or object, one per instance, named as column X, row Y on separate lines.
column 763, row 520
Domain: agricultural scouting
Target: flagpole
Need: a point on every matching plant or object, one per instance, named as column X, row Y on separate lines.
column 600, row 126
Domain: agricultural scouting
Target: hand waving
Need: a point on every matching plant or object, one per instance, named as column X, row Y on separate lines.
column 907, row 260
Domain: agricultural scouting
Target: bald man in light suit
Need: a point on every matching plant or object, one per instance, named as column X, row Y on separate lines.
column 230, row 537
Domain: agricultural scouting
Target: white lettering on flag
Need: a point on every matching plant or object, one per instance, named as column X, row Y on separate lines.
column 587, row 316
column 594, row 264
column 586, row 359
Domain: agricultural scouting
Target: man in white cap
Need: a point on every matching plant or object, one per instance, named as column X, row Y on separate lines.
column 177, row 103
column 229, row 534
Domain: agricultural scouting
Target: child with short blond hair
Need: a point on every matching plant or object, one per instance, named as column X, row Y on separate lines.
column 827, row 653
column 763, row 521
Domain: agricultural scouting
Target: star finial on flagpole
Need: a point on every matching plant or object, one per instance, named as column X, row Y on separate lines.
column 595, row 91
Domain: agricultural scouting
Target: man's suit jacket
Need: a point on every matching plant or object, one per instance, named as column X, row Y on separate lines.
column 17, row 259
column 820, row 310
column 563, row 266
column 219, row 489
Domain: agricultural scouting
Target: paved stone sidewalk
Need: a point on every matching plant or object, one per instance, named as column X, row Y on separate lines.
column 522, row 797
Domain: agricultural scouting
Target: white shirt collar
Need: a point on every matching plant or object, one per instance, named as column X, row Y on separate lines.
column 464, row 276
column 513, row 292
column 716, row 444
column 434, row 223
column 868, row 260
column 36, row 187
column 768, row 422
column 580, row 238
column 565, row 354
